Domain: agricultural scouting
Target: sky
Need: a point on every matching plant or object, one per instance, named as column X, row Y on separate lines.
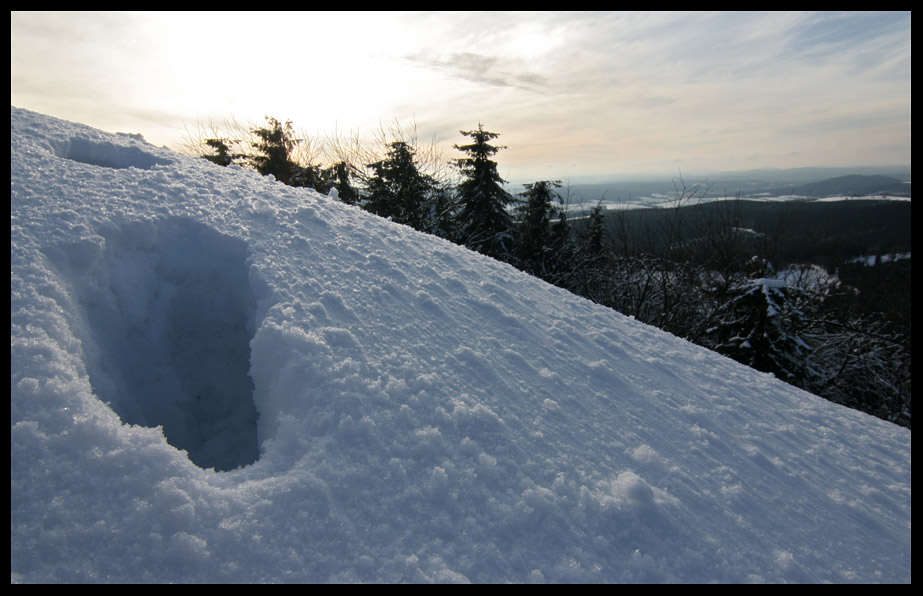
column 572, row 94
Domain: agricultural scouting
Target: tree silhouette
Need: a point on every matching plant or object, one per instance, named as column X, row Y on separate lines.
column 397, row 188
column 538, row 233
column 346, row 192
column 484, row 224
column 273, row 148
column 222, row 155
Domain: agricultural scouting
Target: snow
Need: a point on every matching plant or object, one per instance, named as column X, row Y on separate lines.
column 872, row 260
column 218, row 378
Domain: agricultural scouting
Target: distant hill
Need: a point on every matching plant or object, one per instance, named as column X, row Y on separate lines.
column 804, row 182
column 854, row 185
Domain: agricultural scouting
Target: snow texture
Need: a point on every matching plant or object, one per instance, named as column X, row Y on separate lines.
column 218, row 378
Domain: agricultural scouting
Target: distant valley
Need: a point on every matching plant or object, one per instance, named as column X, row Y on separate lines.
column 795, row 184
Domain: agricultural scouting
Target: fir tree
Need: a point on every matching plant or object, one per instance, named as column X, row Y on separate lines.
column 273, row 149
column 760, row 326
column 222, row 155
column 590, row 271
column 345, row 190
column 536, row 236
column 560, row 251
column 484, row 224
column 397, row 188
column 313, row 176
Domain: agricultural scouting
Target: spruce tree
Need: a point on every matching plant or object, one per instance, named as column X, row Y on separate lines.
column 345, row 190
column 560, row 251
column 397, row 188
column 537, row 235
column 313, row 176
column 590, row 268
column 222, row 155
column 761, row 327
column 273, row 149
column 483, row 223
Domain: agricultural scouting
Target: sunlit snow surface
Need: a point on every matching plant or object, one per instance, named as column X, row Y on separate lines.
column 382, row 406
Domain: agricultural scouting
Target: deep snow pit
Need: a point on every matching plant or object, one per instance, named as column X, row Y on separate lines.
column 165, row 313
column 107, row 155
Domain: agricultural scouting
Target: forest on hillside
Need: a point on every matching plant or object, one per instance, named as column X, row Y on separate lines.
column 815, row 293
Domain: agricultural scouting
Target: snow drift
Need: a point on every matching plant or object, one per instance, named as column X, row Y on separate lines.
column 218, row 378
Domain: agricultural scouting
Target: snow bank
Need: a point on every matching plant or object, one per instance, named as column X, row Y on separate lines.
column 215, row 377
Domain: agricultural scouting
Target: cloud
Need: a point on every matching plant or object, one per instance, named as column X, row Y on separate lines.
column 609, row 84
column 484, row 69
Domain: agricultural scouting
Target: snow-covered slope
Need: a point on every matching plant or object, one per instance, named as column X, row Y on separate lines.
column 383, row 406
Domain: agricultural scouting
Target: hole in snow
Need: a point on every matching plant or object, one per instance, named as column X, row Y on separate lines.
column 107, row 155
column 165, row 312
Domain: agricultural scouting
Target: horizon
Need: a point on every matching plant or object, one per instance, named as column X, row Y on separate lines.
column 572, row 95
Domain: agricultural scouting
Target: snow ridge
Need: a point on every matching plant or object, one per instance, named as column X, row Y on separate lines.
column 215, row 377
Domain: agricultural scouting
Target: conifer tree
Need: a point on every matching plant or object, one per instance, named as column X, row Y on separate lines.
column 537, row 235
column 591, row 275
column 760, row 326
column 313, row 176
column 273, row 149
column 483, row 223
column 560, row 251
column 345, row 190
column 222, row 155
column 397, row 188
